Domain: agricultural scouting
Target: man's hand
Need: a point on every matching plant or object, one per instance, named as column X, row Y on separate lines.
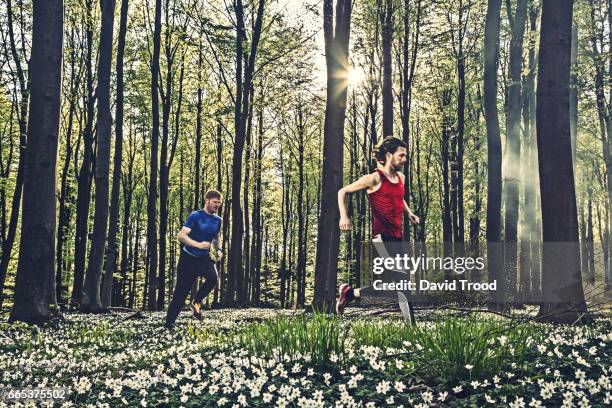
column 413, row 218
column 345, row 224
column 204, row 245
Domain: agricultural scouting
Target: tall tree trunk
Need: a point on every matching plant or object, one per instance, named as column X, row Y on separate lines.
column 35, row 267
column 407, row 77
column 531, row 199
column 198, row 141
column 513, row 148
column 386, row 17
column 85, row 172
column 152, row 201
column 561, row 277
column 336, row 57
column 245, row 196
column 283, row 274
column 90, row 300
column 64, row 211
column 7, row 245
column 460, row 217
column 301, row 261
column 603, row 112
column 494, row 154
column 114, row 207
column 244, row 80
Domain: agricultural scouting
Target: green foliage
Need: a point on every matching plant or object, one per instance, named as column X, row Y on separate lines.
column 451, row 349
column 317, row 338
column 454, row 348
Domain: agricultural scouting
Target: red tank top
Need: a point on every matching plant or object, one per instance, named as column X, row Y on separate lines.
column 387, row 206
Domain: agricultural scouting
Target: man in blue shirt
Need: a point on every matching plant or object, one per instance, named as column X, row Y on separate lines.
column 201, row 240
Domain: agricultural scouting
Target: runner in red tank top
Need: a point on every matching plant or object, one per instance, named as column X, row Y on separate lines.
column 385, row 188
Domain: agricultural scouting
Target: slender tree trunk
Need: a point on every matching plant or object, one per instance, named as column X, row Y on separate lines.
column 7, row 244
column 407, row 74
column 152, row 201
column 198, row 141
column 386, row 17
column 244, row 79
column 35, row 268
column 245, row 196
column 494, row 176
column 301, row 261
column 114, row 208
column 283, row 274
column 85, row 172
column 513, row 148
column 64, row 211
column 91, row 300
column 336, row 56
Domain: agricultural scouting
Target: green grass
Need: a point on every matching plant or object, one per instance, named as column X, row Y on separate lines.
column 451, row 349
column 316, row 338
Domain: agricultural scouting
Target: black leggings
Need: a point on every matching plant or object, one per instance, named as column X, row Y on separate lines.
column 387, row 275
column 189, row 269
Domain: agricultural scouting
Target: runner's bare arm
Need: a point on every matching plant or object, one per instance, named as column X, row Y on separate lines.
column 411, row 216
column 217, row 242
column 367, row 181
column 183, row 238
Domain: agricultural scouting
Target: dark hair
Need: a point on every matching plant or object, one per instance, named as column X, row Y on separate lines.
column 388, row 145
column 210, row 194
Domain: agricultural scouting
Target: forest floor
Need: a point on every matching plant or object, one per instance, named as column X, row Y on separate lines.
column 263, row 357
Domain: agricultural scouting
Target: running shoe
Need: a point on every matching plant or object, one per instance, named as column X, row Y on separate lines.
column 196, row 312
column 346, row 295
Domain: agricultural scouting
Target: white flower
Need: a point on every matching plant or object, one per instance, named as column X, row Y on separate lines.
column 442, row 396
column 547, row 390
column 382, row 387
column 267, row 397
column 327, row 377
column 489, row 399
column 399, row 386
column 458, row 389
column 535, row 403
column 584, row 403
column 427, row 396
column 518, row 403
column 469, row 366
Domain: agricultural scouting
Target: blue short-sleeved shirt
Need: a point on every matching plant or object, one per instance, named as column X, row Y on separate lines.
column 204, row 227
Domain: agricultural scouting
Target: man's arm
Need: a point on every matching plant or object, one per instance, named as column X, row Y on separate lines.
column 411, row 216
column 183, row 238
column 217, row 241
column 364, row 182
